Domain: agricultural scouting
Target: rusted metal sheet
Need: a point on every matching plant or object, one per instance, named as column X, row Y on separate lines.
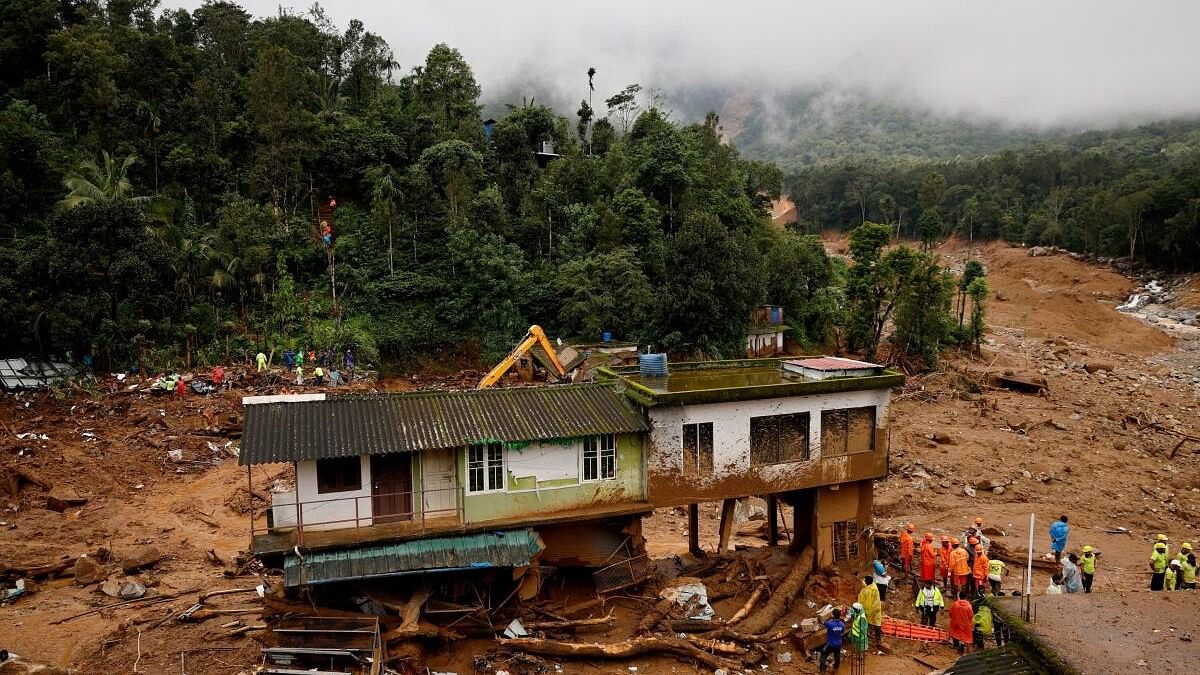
column 345, row 426
column 587, row 545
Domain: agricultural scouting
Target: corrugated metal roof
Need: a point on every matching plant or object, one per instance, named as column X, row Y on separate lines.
column 512, row 548
column 1006, row 660
column 34, row 374
column 345, row 426
column 833, row 363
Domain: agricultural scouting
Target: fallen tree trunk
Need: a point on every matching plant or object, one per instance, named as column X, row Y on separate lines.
column 426, row 631
column 716, row 646
column 777, row 606
column 657, row 613
column 730, row 635
column 689, row 625
column 620, row 650
column 571, row 623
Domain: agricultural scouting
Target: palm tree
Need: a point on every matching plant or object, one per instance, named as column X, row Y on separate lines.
column 384, row 193
column 91, row 183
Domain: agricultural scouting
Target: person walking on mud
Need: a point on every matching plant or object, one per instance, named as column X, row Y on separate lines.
column 835, row 633
column 1087, row 565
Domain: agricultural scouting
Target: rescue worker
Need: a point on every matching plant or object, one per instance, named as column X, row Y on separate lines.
column 1185, row 549
column 261, row 359
column 180, row 388
column 835, row 632
column 859, row 628
column 983, row 628
column 979, row 569
column 218, row 375
column 976, row 530
column 300, row 358
column 928, row 558
column 319, row 375
column 1158, row 566
column 1166, row 541
column 906, row 547
column 929, row 602
column 1087, row 565
column 289, row 360
column 962, row 623
column 1171, row 576
column 868, row 597
column 972, row 542
column 1058, row 537
column 299, row 374
column 944, row 554
column 996, row 572
column 959, row 566
column 1187, row 573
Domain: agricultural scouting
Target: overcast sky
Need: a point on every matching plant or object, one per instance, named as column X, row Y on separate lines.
column 1087, row 63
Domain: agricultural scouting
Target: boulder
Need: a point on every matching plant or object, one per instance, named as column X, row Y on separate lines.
column 1097, row 366
column 969, row 491
column 988, row 484
column 88, row 571
column 998, row 490
column 145, row 557
column 941, row 438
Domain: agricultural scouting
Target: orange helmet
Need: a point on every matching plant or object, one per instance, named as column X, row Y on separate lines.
column 945, row 539
column 928, row 536
column 978, row 520
column 979, row 548
column 910, row 527
column 973, row 541
column 954, row 541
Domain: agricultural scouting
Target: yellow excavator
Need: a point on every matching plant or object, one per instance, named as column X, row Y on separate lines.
column 535, row 336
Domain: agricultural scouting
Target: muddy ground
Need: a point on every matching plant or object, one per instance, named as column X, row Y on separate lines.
column 1104, row 444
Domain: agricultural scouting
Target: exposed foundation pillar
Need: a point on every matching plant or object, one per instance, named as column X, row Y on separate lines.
column 804, row 515
column 772, row 520
column 694, row 529
column 728, row 507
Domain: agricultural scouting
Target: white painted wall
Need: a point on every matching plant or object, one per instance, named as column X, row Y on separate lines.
column 326, row 515
column 546, row 460
column 755, row 343
column 731, row 427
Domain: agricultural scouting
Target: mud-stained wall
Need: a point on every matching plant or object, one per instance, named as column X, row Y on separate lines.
column 839, row 503
column 332, row 510
column 546, row 477
column 733, row 475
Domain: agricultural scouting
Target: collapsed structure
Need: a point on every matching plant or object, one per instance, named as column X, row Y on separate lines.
column 398, row 484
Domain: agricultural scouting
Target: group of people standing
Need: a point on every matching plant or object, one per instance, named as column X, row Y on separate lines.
column 323, row 367
column 1170, row 574
column 959, row 564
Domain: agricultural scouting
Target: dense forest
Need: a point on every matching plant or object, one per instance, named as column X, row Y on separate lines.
column 1132, row 193
column 184, row 187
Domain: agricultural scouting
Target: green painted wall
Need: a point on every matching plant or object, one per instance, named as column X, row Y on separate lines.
column 526, row 496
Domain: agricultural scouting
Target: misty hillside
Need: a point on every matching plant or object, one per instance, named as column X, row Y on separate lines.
column 821, row 125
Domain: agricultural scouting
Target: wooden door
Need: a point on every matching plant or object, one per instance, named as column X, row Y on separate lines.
column 438, row 484
column 391, row 487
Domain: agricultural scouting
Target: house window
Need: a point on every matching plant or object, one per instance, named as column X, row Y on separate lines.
column 600, row 457
column 778, row 438
column 845, row 540
column 698, row 449
column 339, row 474
column 485, row 467
column 847, row 431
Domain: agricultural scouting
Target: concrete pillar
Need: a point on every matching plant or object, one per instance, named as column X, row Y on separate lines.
column 728, row 507
column 772, row 520
column 804, row 515
column 694, row 529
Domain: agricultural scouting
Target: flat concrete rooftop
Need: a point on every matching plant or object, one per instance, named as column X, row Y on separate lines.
column 717, row 381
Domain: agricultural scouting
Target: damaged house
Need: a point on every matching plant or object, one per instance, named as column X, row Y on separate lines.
column 810, row 432
column 398, row 484
column 394, row 484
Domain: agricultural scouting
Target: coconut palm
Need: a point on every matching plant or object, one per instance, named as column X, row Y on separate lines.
column 385, row 191
column 91, row 182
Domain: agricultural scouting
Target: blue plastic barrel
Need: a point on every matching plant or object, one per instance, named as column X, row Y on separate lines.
column 606, row 336
column 652, row 365
column 776, row 315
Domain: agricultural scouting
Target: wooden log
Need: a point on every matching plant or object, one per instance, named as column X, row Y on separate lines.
column 202, row 615
column 411, row 614
column 745, row 610
column 621, row 650
column 730, row 635
column 571, row 623
column 657, row 613
column 694, row 529
column 689, row 626
column 425, row 631
column 581, row 607
column 716, row 646
column 777, row 606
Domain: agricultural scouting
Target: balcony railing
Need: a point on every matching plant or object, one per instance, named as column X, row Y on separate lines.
column 416, row 510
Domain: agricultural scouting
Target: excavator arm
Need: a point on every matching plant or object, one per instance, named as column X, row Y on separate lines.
column 535, row 336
